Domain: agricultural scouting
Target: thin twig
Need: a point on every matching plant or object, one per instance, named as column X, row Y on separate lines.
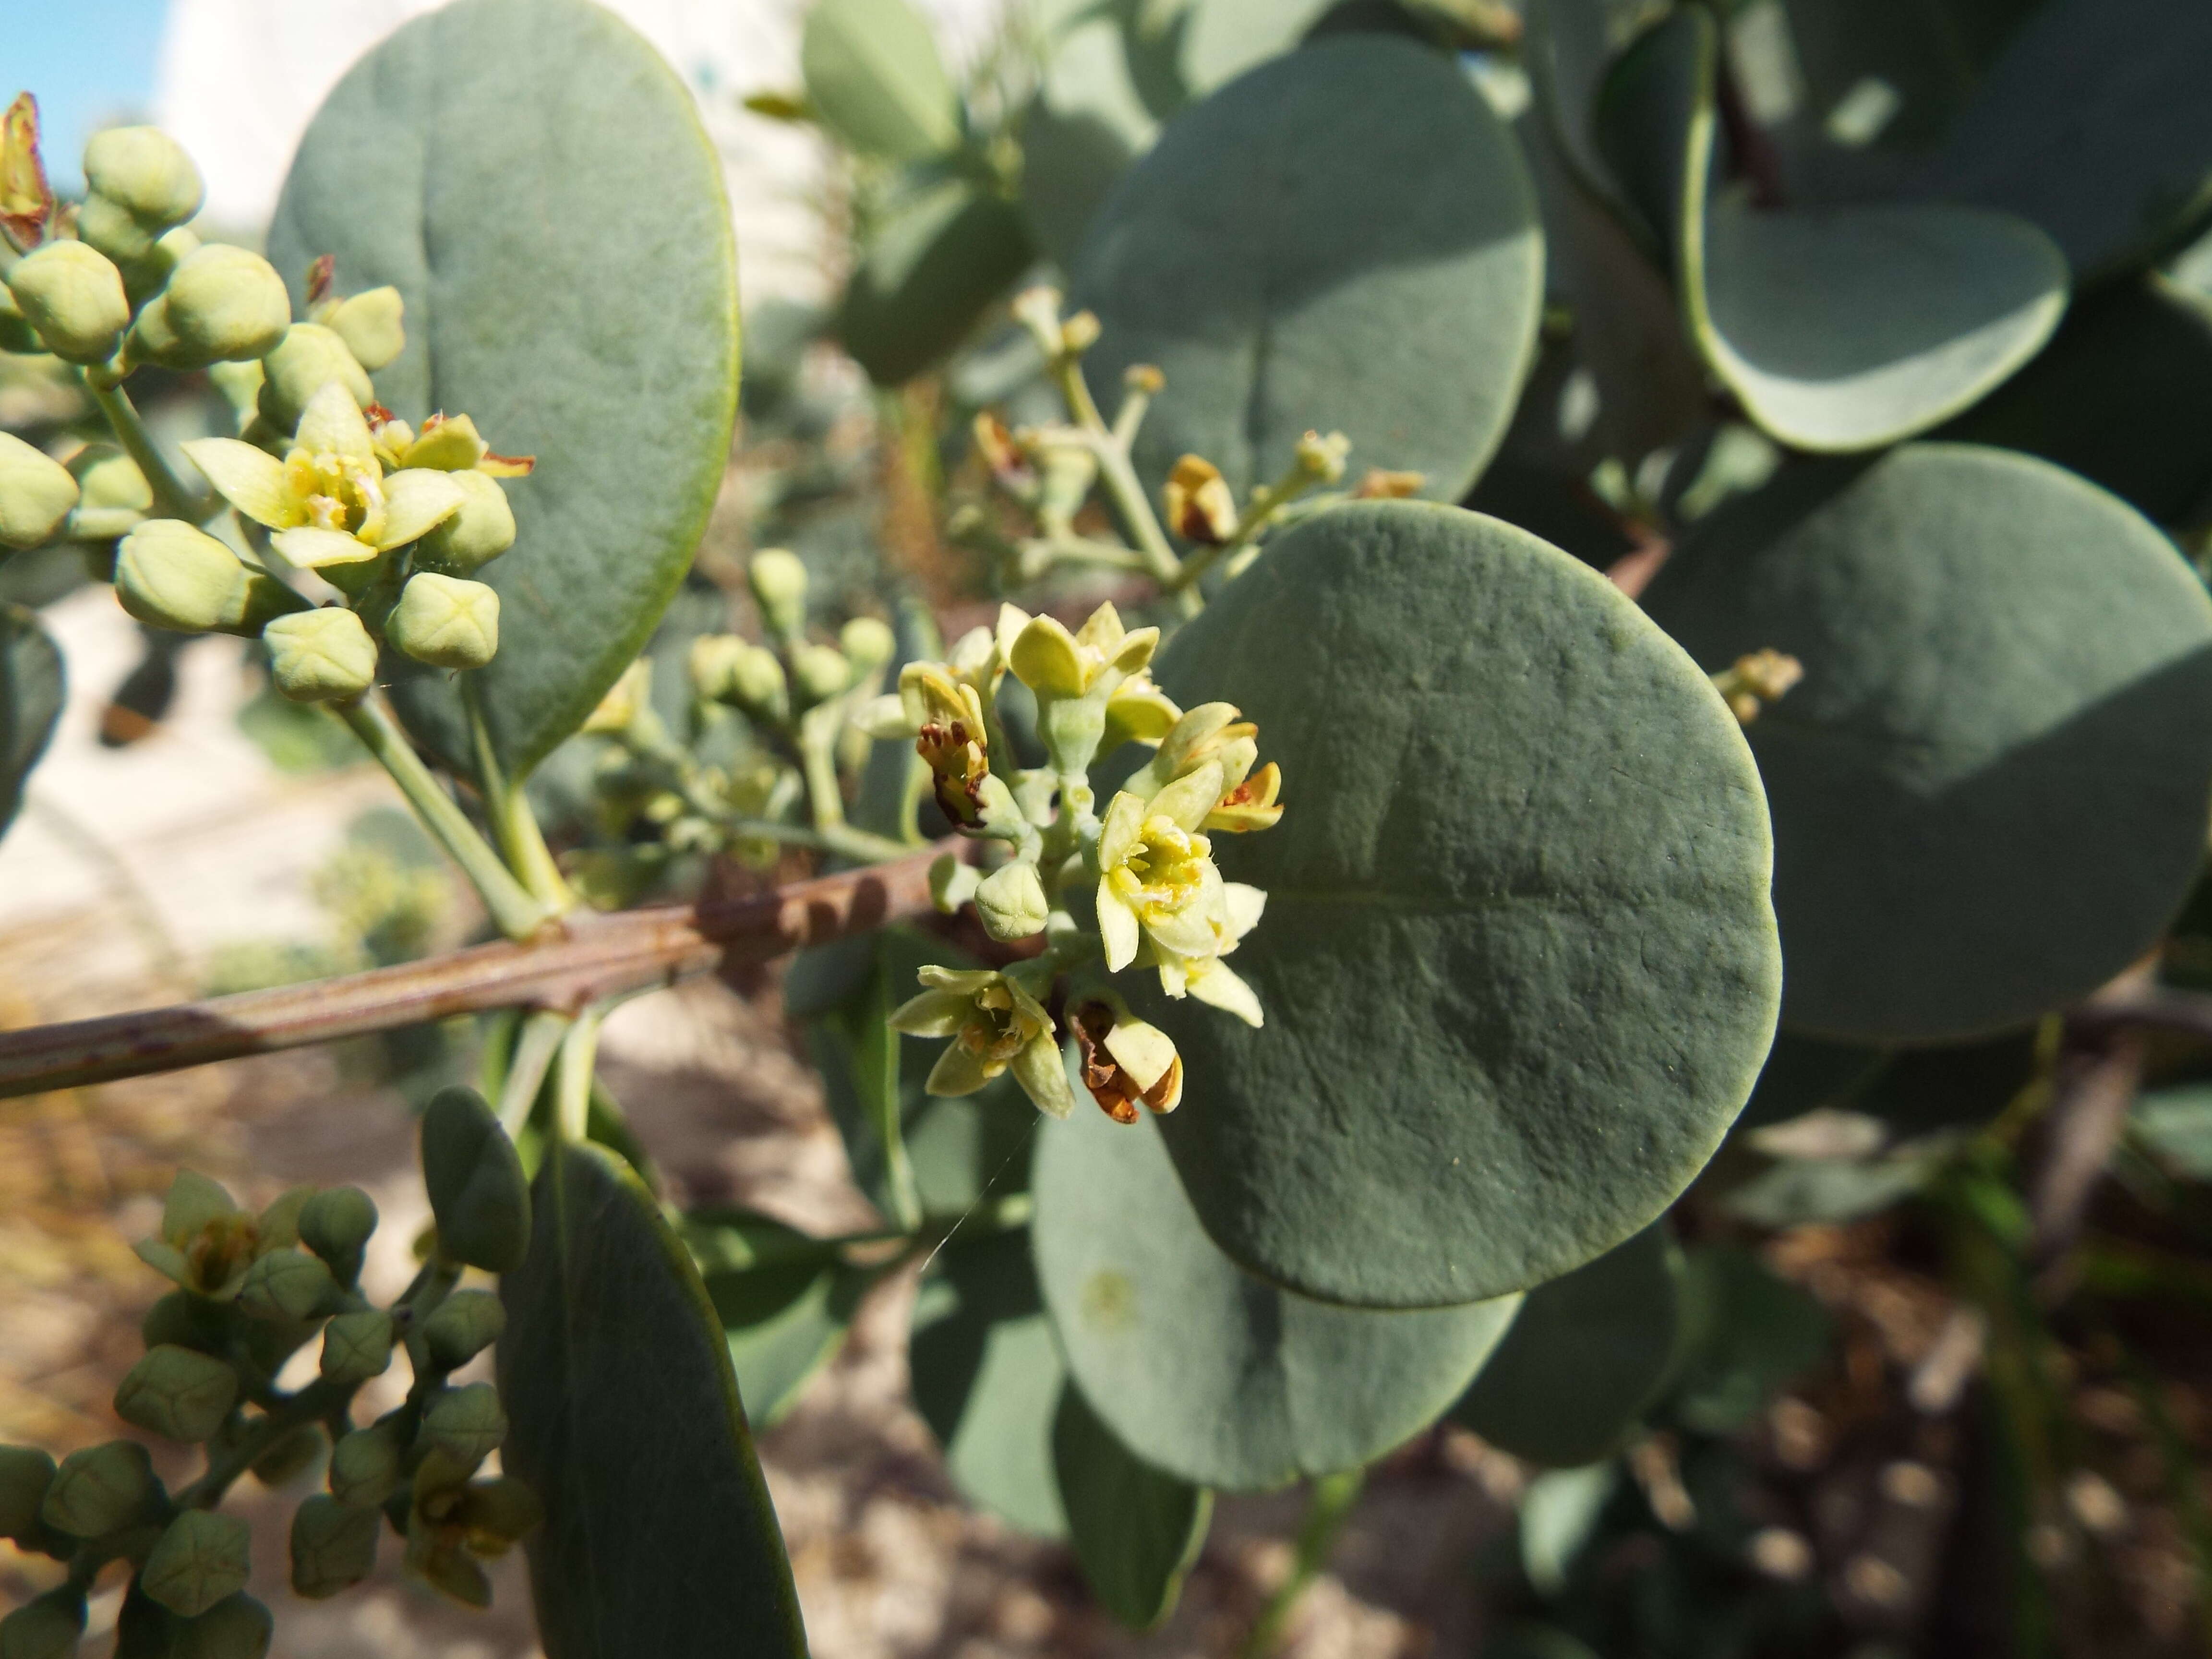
column 583, row 960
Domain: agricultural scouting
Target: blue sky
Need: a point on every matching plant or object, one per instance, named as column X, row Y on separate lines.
column 88, row 61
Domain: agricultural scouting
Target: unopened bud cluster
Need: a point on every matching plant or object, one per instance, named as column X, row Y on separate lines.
column 250, row 1289
column 394, row 522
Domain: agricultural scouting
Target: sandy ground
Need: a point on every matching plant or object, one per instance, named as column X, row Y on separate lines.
column 133, row 867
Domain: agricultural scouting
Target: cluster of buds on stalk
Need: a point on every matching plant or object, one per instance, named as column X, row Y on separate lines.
column 249, row 1289
column 352, row 528
column 1133, row 889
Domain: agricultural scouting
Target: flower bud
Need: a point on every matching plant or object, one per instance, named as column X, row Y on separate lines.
column 177, row 1393
column 1010, row 901
column 466, row 1424
column 307, row 359
column 146, row 171
column 47, row 1628
column 481, row 529
column 236, row 1627
column 357, row 1346
column 1200, row 506
column 1321, row 461
column 819, row 672
column 105, row 223
column 365, row 1465
column 869, row 643
column 448, row 622
column 224, row 305
column 171, row 575
column 289, row 1457
column 112, row 495
column 336, row 1224
column 72, row 294
column 25, row 1473
column 286, row 1284
column 369, row 324
column 779, row 585
column 712, row 657
column 320, row 656
column 200, row 1559
column 474, row 1181
column 952, row 883
column 625, row 700
column 99, row 1489
column 756, row 683
column 333, row 1545
column 462, row 1327
column 36, row 493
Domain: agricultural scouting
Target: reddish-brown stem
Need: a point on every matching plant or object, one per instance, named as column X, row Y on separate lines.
column 590, row 958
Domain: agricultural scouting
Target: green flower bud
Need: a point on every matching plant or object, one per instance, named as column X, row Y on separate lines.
column 36, row 493
column 113, row 497
column 177, row 1393
column 320, row 656
column 72, row 294
column 357, row 1346
column 99, row 1489
column 285, row 1284
column 290, row 1456
column 369, row 324
column 952, row 883
column 714, row 659
column 870, row 644
column 236, row 1627
column 779, row 584
column 145, row 171
column 224, row 305
column 820, row 672
column 333, row 1545
column 475, row 1180
column 105, row 223
column 1010, row 901
column 307, row 359
column 462, row 1327
column 448, row 622
column 200, row 1559
column 480, row 530
column 171, row 575
column 16, row 333
column 504, row 1510
column 184, row 1320
column 465, row 1424
column 25, row 1473
column 336, row 1223
column 365, row 1465
column 48, row 1628
column 756, row 683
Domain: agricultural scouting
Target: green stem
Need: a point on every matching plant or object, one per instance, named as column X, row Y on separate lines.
column 572, row 1076
column 172, row 497
column 508, row 803
column 1258, row 513
column 543, row 1034
column 817, row 746
column 859, row 845
column 514, row 911
column 1333, row 1498
column 1119, row 478
column 1084, row 550
column 310, row 1405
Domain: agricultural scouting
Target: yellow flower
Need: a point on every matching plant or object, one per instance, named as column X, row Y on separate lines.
column 447, row 443
column 1126, row 1062
column 946, row 717
column 1212, row 734
column 330, row 501
column 1138, row 712
column 1250, row 804
column 1156, row 881
column 1055, row 662
column 1206, row 976
column 996, row 1026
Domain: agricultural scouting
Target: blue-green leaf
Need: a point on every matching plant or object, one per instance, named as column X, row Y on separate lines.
column 31, row 687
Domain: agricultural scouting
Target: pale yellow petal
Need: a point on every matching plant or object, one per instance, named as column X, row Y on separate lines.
column 1217, row 983
column 1117, row 835
column 933, row 1014
column 415, row 502
column 1044, row 1077
column 332, row 421
column 957, row 1072
column 309, row 549
column 1117, row 929
column 1188, row 801
column 251, row 480
column 1044, row 657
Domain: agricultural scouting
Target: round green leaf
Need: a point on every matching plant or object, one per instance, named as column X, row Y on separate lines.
column 624, row 1419
column 1586, row 1355
column 31, row 687
column 1525, row 857
column 1989, row 791
column 876, row 81
column 535, row 179
column 939, row 260
column 1135, row 1531
column 1211, row 1374
column 1345, row 237
column 1842, row 328
column 987, row 1379
column 2095, row 125
column 2121, row 395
